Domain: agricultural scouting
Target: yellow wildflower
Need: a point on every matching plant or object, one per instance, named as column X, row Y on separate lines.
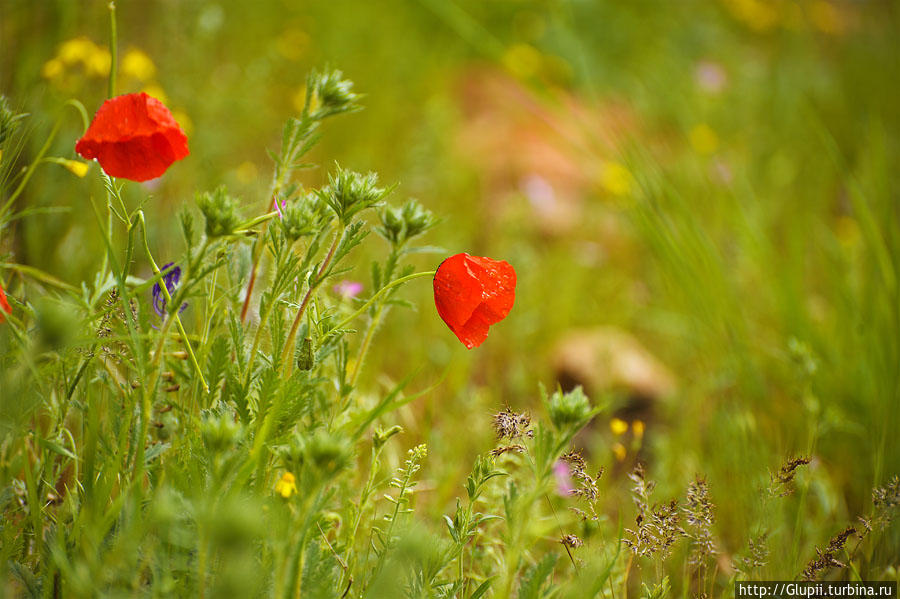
column 703, row 139
column 618, row 426
column 287, row 485
column 619, row 451
column 77, row 167
column 52, row 69
column 615, row 179
column 97, row 64
column 637, row 427
column 138, row 65
column 522, row 60
column 79, row 49
column 246, row 172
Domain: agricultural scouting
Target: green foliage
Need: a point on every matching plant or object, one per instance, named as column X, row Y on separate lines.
column 9, row 119
column 399, row 225
column 349, row 193
column 568, row 410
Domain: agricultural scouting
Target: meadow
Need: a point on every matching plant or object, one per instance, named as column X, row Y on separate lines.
column 242, row 369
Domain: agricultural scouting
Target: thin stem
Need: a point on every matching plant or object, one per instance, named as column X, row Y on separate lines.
column 381, row 292
column 286, row 354
column 113, row 43
column 257, row 256
column 282, row 172
column 168, row 296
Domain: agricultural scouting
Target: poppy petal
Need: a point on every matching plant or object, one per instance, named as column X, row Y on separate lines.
column 471, row 293
column 4, row 305
column 134, row 137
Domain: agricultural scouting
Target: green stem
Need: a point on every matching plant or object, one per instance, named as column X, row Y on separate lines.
column 381, row 292
column 168, row 296
column 113, row 43
column 257, row 256
column 287, row 353
column 245, row 226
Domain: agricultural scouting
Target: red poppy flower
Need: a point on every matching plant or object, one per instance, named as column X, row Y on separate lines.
column 472, row 293
column 4, row 305
column 135, row 137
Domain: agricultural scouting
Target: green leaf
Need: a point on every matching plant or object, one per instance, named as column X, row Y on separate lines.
column 482, row 589
column 57, row 448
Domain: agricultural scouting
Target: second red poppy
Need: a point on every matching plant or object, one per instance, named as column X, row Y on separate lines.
column 472, row 293
column 4, row 305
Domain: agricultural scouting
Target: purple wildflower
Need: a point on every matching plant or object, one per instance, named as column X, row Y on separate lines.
column 171, row 278
column 563, row 478
column 348, row 289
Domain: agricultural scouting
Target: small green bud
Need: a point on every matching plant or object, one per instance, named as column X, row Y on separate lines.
column 306, row 359
column 399, row 225
column 348, row 193
column 220, row 211
column 568, row 409
column 303, row 217
column 332, row 94
column 381, row 436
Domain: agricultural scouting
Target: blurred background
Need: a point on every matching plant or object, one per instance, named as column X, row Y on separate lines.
column 699, row 198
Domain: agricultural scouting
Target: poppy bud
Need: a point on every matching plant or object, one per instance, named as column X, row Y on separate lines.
column 306, row 359
column 568, row 409
column 399, row 225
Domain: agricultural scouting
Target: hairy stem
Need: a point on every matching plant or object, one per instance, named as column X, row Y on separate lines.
column 113, row 53
column 287, row 352
column 168, row 296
